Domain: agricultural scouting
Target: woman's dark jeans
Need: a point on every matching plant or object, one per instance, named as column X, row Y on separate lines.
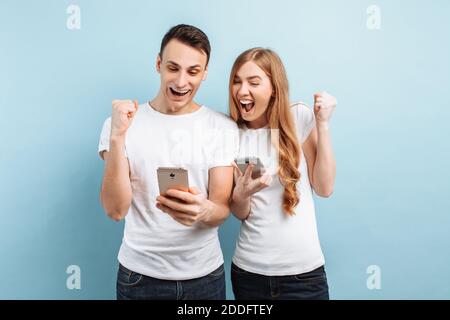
column 307, row 286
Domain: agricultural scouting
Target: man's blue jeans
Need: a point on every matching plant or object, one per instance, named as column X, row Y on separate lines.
column 135, row 286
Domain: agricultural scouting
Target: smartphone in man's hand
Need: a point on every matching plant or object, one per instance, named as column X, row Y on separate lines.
column 172, row 178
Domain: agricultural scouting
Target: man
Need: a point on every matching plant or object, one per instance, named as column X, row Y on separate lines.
column 170, row 248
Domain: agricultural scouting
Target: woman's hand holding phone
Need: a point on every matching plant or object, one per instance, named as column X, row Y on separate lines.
column 245, row 185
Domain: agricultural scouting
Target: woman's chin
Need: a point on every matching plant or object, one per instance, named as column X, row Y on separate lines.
column 248, row 116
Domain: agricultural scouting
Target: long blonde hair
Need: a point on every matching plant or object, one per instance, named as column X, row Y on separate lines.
column 278, row 116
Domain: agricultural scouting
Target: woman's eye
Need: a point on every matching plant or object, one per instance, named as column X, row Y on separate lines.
column 254, row 84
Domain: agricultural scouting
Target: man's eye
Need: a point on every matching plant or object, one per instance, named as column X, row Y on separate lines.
column 172, row 69
column 193, row 73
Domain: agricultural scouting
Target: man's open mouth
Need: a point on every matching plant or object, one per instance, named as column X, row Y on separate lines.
column 179, row 93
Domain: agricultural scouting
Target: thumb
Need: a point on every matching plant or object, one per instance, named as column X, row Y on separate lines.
column 266, row 179
column 132, row 113
column 194, row 190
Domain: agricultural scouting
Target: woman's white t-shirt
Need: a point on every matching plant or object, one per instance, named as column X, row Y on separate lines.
column 272, row 242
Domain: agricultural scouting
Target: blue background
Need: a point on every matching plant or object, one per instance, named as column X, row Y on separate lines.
column 390, row 131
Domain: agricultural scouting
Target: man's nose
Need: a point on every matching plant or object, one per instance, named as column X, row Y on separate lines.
column 182, row 80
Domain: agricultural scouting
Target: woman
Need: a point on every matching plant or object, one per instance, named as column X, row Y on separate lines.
column 278, row 254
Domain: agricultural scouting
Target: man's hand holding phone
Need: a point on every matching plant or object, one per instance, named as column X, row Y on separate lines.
column 184, row 207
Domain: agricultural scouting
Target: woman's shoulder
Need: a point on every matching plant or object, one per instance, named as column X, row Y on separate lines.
column 304, row 118
column 302, row 112
column 300, row 106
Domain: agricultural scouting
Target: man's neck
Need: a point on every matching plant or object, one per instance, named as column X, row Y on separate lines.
column 160, row 105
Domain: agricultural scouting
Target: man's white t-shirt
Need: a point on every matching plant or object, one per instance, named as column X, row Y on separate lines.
column 272, row 242
column 154, row 244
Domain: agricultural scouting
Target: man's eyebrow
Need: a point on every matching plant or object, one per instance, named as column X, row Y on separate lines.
column 174, row 63
column 191, row 67
column 197, row 66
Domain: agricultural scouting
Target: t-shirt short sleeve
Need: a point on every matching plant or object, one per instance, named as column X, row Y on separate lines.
column 103, row 144
column 305, row 120
column 226, row 144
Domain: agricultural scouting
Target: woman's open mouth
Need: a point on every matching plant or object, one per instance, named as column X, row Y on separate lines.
column 247, row 106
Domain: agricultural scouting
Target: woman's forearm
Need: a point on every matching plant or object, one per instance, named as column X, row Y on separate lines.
column 325, row 165
column 240, row 206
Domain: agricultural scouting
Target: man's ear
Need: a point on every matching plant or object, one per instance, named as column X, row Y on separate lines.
column 158, row 63
column 205, row 74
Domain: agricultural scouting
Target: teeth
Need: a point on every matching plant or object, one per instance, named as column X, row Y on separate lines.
column 180, row 91
column 247, row 104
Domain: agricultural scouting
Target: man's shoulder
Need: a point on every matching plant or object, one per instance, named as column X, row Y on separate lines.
column 220, row 119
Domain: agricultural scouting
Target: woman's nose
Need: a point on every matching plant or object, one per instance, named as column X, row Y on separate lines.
column 243, row 90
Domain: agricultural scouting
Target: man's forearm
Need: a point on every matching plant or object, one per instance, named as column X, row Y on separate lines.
column 218, row 213
column 116, row 187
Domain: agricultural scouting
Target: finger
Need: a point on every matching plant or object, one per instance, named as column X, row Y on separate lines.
column 175, row 213
column 264, row 182
column 321, row 106
column 181, row 218
column 235, row 175
column 186, row 223
column 248, row 172
column 177, row 216
column 194, row 191
column 266, row 179
column 182, row 207
column 237, row 170
column 131, row 109
column 183, row 196
column 136, row 104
